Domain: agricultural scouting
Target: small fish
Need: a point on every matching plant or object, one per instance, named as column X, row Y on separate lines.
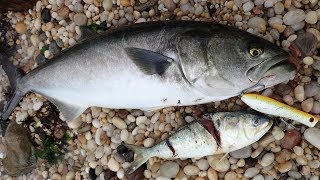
column 273, row 107
column 217, row 133
column 154, row 65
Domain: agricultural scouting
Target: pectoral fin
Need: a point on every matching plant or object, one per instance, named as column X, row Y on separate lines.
column 68, row 111
column 149, row 62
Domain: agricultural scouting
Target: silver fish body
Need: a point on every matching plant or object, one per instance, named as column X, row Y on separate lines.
column 154, row 65
column 217, row 133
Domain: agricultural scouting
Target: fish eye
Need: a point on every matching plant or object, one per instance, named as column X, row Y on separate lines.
column 256, row 122
column 255, row 52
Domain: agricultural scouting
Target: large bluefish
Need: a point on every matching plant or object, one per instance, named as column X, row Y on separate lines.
column 217, row 133
column 153, row 65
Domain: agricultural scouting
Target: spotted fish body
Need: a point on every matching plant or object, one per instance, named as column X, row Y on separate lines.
column 154, row 65
column 217, row 133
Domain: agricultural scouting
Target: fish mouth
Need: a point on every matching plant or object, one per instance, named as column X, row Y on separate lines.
column 256, row 73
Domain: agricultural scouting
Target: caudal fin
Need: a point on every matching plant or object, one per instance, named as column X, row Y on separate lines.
column 142, row 155
column 14, row 95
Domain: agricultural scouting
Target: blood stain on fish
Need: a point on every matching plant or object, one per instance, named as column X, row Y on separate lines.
column 171, row 147
column 211, row 129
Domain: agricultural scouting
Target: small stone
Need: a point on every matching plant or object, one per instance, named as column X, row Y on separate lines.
column 251, row 172
column 258, row 177
column 282, row 89
column 45, row 15
column 107, row 5
column 284, row 167
column 99, row 152
column 198, row 11
column 282, row 156
column 141, row 120
column 54, row 48
column 80, row 19
column 299, row 93
column 248, row 6
column 312, row 135
column 75, row 123
column 316, row 108
column 125, row 3
column 78, row 8
column 169, row 4
column 231, row 175
column 70, row 175
column 267, row 159
column 21, row 27
column 277, row 133
column 113, row 165
column 202, row 164
column 149, row 142
column 278, row 8
column 218, row 163
column 242, row 153
column 56, row 176
column 119, row 123
column 63, row 12
column 294, row 174
column 308, row 60
column 307, row 43
column 257, row 23
column 191, row 170
column 212, row 174
column 294, row 16
column 302, row 160
column 291, row 138
column 311, row 17
column 307, row 105
column 169, row 169
column 311, row 89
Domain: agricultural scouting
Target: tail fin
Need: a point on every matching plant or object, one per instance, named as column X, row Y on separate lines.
column 14, row 96
column 142, row 156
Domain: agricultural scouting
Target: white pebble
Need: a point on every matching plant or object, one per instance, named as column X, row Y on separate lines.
column 96, row 123
column 311, row 17
column 37, row 105
column 169, row 169
column 124, row 135
column 277, row 133
column 308, row 60
column 251, row 172
column 191, row 170
column 141, row 120
column 99, row 152
column 294, row 16
column 148, row 142
column 312, row 135
column 202, row 164
column 119, row 123
column 267, row 159
column 248, row 6
column 113, row 165
column 299, row 93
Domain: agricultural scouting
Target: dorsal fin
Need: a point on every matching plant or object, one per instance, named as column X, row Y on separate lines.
column 149, row 62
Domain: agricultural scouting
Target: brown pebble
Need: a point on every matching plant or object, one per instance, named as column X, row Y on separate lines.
column 291, row 138
column 212, row 174
column 137, row 174
column 307, row 44
column 125, row 3
column 21, row 27
column 284, row 167
column 282, row 156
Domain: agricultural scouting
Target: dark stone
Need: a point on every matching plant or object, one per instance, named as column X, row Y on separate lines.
column 54, row 48
column 144, row 6
column 103, row 25
column 129, row 156
column 282, row 89
column 40, row 59
column 307, row 43
column 251, row 161
column 46, row 15
column 60, row 43
column 291, row 138
column 42, row 37
column 122, row 149
column 92, row 174
column 110, row 175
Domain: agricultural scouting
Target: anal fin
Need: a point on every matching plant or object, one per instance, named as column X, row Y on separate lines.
column 68, row 111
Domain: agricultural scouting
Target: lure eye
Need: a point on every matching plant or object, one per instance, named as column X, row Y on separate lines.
column 255, row 52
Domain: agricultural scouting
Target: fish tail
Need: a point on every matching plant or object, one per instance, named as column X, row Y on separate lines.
column 14, row 95
column 142, row 155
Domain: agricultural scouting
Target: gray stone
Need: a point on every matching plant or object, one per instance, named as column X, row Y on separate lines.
column 242, row 153
column 20, row 157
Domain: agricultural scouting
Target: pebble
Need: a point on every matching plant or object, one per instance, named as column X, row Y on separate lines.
column 218, row 163
column 294, row 174
column 141, row 120
column 70, row 175
column 311, row 17
column 75, row 123
column 231, row 175
column 311, row 89
column 291, row 138
column 278, row 8
column 212, row 174
column 316, row 108
column 299, row 93
column 316, row 65
column 307, row 105
column 282, row 89
column 191, row 170
column 307, row 43
column 170, row 5
column 54, row 48
column 99, row 152
column 284, row 167
column 282, row 156
column 78, row 8
column 267, row 159
column 202, row 164
column 257, row 22
column 242, row 153
column 107, row 5
column 113, row 165
column 294, row 16
column 56, row 176
column 149, row 142
column 80, row 19
column 169, row 169
column 248, row 6
column 45, row 15
column 21, row 27
column 119, row 123
column 308, row 60
column 312, row 135
column 251, row 172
